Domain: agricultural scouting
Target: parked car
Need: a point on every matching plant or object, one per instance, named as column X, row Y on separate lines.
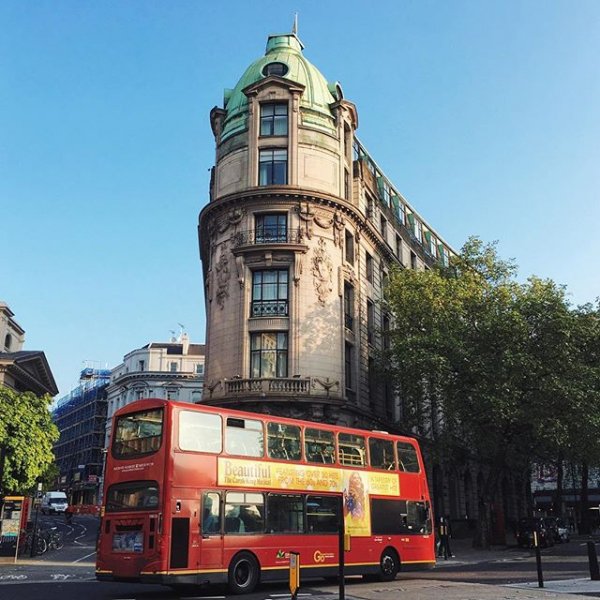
column 525, row 533
column 559, row 529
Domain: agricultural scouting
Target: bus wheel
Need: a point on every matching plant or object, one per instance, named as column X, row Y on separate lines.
column 243, row 573
column 389, row 565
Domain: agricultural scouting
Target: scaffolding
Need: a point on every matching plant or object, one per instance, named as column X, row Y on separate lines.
column 80, row 417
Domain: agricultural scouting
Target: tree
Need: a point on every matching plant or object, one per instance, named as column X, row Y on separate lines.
column 26, row 437
column 475, row 357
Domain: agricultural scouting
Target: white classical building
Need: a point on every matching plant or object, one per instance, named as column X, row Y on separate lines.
column 171, row 370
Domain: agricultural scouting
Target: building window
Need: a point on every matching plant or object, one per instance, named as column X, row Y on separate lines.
column 419, row 231
column 346, row 184
column 275, row 68
column 413, row 261
column 271, row 228
column 199, row 368
column 273, row 119
column 7, row 342
column 370, row 322
column 349, row 247
column 270, row 293
column 369, row 267
column 268, row 354
column 173, row 367
column 385, row 325
column 272, row 167
column 141, row 365
column 399, row 248
column 348, row 306
column 383, row 223
column 372, row 375
column 445, row 256
column 348, row 371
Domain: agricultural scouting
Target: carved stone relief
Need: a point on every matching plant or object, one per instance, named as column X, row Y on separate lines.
column 223, row 275
column 322, row 270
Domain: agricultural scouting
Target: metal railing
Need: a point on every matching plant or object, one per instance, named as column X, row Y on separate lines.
column 261, row 236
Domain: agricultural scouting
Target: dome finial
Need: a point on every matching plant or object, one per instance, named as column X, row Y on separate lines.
column 295, row 25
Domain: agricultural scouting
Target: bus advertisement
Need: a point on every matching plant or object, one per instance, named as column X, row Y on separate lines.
column 196, row 494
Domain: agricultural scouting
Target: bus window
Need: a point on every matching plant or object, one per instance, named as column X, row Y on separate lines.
column 382, row 454
column 244, row 437
column 244, row 512
column 351, row 449
column 200, row 432
column 418, row 517
column 388, row 517
column 407, row 457
column 319, row 446
column 132, row 495
column 322, row 514
column 138, row 433
column 211, row 513
column 283, row 441
column 285, row 513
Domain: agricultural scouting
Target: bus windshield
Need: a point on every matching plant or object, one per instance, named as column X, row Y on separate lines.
column 138, row 433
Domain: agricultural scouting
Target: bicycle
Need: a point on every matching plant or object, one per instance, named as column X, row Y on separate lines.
column 28, row 538
column 54, row 538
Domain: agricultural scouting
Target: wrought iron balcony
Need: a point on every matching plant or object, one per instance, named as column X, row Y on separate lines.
column 269, row 308
column 267, row 236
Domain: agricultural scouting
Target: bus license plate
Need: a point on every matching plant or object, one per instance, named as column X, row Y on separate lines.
column 128, row 542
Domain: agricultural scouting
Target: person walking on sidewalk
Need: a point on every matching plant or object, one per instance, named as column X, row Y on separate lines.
column 444, row 534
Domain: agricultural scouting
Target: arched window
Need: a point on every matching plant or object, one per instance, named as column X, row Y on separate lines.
column 8, row 341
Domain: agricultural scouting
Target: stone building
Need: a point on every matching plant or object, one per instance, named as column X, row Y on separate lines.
column 172, row 370
column 296, row 244
column 22, row 370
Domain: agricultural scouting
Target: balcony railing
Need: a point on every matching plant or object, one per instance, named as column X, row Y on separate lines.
column 284, row 385
column 269, row 308
column 262, row 236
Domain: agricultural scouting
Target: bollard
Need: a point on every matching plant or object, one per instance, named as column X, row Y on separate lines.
column 538, row 559
column 593, row 561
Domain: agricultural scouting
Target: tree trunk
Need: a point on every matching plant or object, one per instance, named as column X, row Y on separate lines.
column 585, row 512
column 558, row 494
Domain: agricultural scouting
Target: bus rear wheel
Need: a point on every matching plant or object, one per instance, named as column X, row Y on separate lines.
column 243, row 573
column 389, row 565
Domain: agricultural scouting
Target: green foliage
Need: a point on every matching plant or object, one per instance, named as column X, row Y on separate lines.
column 27, row 434
column 508, row 370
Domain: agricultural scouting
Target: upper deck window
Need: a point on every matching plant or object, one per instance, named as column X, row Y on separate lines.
column 200, row 432
column 319, row 446
column 407, row 457
column 244, row 437
column 283, row 441
column 352, row 450
column 138, row 433
column 382, row 454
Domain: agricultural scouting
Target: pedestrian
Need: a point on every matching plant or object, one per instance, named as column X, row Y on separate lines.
column 69, row 514
column 444, row 535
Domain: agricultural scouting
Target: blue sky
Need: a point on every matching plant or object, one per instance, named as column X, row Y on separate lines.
column 484, row 114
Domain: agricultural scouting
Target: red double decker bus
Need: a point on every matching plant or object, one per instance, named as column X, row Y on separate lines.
column 196, row 494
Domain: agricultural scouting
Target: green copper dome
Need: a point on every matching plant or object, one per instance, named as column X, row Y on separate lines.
column 285, row 50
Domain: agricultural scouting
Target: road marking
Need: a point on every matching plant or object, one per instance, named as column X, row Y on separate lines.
column 84, row 557
column 60, row 576
column 12, row 577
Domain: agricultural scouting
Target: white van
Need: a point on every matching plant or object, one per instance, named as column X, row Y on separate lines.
column 54, row 502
